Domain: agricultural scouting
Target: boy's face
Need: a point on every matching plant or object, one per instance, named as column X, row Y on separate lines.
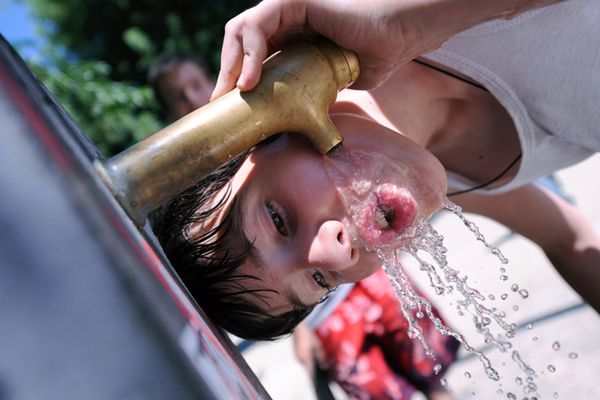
column 293, row 214
column 185, row 88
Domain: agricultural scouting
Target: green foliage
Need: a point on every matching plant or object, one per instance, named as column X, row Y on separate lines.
column 113, row 114
column 100, row 50
column 128, row 34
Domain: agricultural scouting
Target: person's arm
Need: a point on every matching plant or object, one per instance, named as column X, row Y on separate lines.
column 307, row 348
column 558, row 227
column 384, row 33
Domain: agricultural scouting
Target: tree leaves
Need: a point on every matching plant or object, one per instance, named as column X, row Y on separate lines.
column 113, row 114
column 99, row 52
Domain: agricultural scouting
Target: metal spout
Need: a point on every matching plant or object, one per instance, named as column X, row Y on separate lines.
column 297, row 87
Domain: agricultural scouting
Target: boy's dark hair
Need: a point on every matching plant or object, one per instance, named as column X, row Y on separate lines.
column 164, row 63
column 208, row 269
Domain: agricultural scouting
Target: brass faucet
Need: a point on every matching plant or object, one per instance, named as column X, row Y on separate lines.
column 297, row 87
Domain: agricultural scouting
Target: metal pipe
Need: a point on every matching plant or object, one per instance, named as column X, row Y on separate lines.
column 297, row 87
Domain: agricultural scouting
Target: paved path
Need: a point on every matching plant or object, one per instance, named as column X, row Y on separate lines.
column 559, row 336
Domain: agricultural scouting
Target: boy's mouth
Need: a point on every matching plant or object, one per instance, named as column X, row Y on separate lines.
column 382, row 197
column 388, row 212
column 384, row 216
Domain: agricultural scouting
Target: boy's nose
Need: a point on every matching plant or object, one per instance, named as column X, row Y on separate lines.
column 332, row 248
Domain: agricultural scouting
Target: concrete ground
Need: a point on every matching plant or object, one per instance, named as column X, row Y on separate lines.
column 558, row 335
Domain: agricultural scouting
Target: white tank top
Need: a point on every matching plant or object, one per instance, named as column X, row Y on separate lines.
column 544, row 68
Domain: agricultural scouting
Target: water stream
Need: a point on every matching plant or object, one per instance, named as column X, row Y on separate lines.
column 375, row 199
column 428, row 249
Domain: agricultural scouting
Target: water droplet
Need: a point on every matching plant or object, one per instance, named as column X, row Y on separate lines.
column 529, row 326
column 467, row 375
column 499, row 391
column 443, row 382
column 491, row 373
column 524, row 293
column 551, row 368
column 504, row 296
column 514, row 287
column 426, row 246
column 511, row 396
column 530, row 388
column 556, row 346
column 535, row 338
column 516, row 308
column 573, row 355
column 556, row 395
column 519, row 381
column 503, row 277
column 528, row 370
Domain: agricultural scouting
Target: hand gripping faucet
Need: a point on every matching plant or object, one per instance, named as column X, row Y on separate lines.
column 298, row 85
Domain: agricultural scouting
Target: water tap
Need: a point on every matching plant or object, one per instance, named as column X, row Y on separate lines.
column 298, row 85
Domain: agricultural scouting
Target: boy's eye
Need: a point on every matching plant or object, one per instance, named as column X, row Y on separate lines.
column 320, row 279
column 278, row 221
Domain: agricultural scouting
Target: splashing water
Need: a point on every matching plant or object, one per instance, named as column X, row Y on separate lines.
column 478, row 235
column 444, row 279
column 387, row 216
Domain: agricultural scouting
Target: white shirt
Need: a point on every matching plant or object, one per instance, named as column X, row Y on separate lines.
column 544, row 68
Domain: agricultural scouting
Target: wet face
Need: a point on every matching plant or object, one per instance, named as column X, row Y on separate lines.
column 293, row 213
column 185, row 88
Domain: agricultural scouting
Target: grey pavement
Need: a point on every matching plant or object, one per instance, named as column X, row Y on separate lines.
column 558, row 335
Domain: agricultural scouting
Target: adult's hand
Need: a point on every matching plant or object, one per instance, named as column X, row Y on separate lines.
column 384, row 33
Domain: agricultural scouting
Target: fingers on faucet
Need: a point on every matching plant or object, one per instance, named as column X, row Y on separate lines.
column 255, row 52
column 245, row 47
column 232, row 53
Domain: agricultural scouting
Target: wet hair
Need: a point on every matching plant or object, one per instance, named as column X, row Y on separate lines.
column 209, row 269
column 164, row 63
